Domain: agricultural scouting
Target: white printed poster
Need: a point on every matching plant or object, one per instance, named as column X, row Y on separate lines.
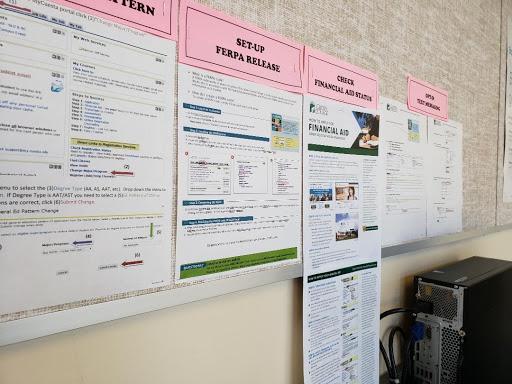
column 444, row 170
column 507, row 161
column 404, row 149
column 239, row 176
column 342, row 243
column 85, row 157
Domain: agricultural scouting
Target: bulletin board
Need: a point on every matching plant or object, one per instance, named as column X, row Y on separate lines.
column 452, row 44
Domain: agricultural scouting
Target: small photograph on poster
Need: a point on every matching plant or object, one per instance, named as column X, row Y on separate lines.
column 368, row 138
column 277, row 123
column 285, row 133
column 320, row 197
column 320, row 194
column 413, row 131
column 347, row 226
column 347, row 192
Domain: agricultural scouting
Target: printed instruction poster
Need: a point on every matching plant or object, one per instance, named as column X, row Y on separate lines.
column 342, row 242
column 404, row 149
column 507, row 161
column 444, row 200
column 239, row 176
column 85, row 157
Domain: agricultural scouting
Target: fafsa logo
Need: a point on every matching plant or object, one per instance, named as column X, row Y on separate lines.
column 319, row 109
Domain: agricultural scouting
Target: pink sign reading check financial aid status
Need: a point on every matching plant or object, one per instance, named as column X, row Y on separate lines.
column 427, row 99
column 158, row 17
column 335, row 79
column 212, row 40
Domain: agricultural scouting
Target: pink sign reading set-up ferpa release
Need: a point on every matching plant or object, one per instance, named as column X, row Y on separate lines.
column 158, row 17
column 335, row 79
column 427, row 99
column 212, row 40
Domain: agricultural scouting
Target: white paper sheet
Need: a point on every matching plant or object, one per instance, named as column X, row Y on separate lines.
column 507, row 161
column 444, row 170
column 85, row 157
column 403, row 145
column 239, row 176
column 342, row 243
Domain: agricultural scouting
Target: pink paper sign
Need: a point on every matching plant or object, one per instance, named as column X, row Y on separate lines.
column 212, row 40
column 426, row 99
column 159, row 17
column 335, row 79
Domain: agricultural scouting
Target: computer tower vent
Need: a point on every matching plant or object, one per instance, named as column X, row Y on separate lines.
column 450, row 348
column 445, row 303
column 462, row 331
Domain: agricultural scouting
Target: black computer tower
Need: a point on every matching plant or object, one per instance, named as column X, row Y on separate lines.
column 464, row 334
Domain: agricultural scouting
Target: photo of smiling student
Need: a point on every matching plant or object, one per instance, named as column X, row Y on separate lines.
column 347, row 191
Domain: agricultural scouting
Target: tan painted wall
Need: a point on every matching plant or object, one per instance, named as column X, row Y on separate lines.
column 248, row 337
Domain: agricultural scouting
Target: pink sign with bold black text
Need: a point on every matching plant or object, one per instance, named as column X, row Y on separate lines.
column 212, row 40
column 427, row 99
column 158, row 17
column 336, row 79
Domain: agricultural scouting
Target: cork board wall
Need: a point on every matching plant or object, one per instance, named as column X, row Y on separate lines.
column 454, row 44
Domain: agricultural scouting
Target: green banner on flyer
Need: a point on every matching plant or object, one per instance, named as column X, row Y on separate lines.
column 237, row 262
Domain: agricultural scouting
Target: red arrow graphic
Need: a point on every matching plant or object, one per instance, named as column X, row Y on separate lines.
column 132, row 263
column 122, row 173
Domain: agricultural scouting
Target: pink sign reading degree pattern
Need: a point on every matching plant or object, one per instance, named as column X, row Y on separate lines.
column 427, row 99
column 212, row 40
column 338, row 80
column 158, row 17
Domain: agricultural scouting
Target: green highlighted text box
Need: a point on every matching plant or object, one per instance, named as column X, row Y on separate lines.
column 237, row 262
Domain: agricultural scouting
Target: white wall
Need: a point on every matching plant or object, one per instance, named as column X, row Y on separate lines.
column 249, row 337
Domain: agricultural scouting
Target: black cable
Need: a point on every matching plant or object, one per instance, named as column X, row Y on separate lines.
column 407, row 363
column 391, row 348
column 396, row 310
column 391, row 367
column 385, row 357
